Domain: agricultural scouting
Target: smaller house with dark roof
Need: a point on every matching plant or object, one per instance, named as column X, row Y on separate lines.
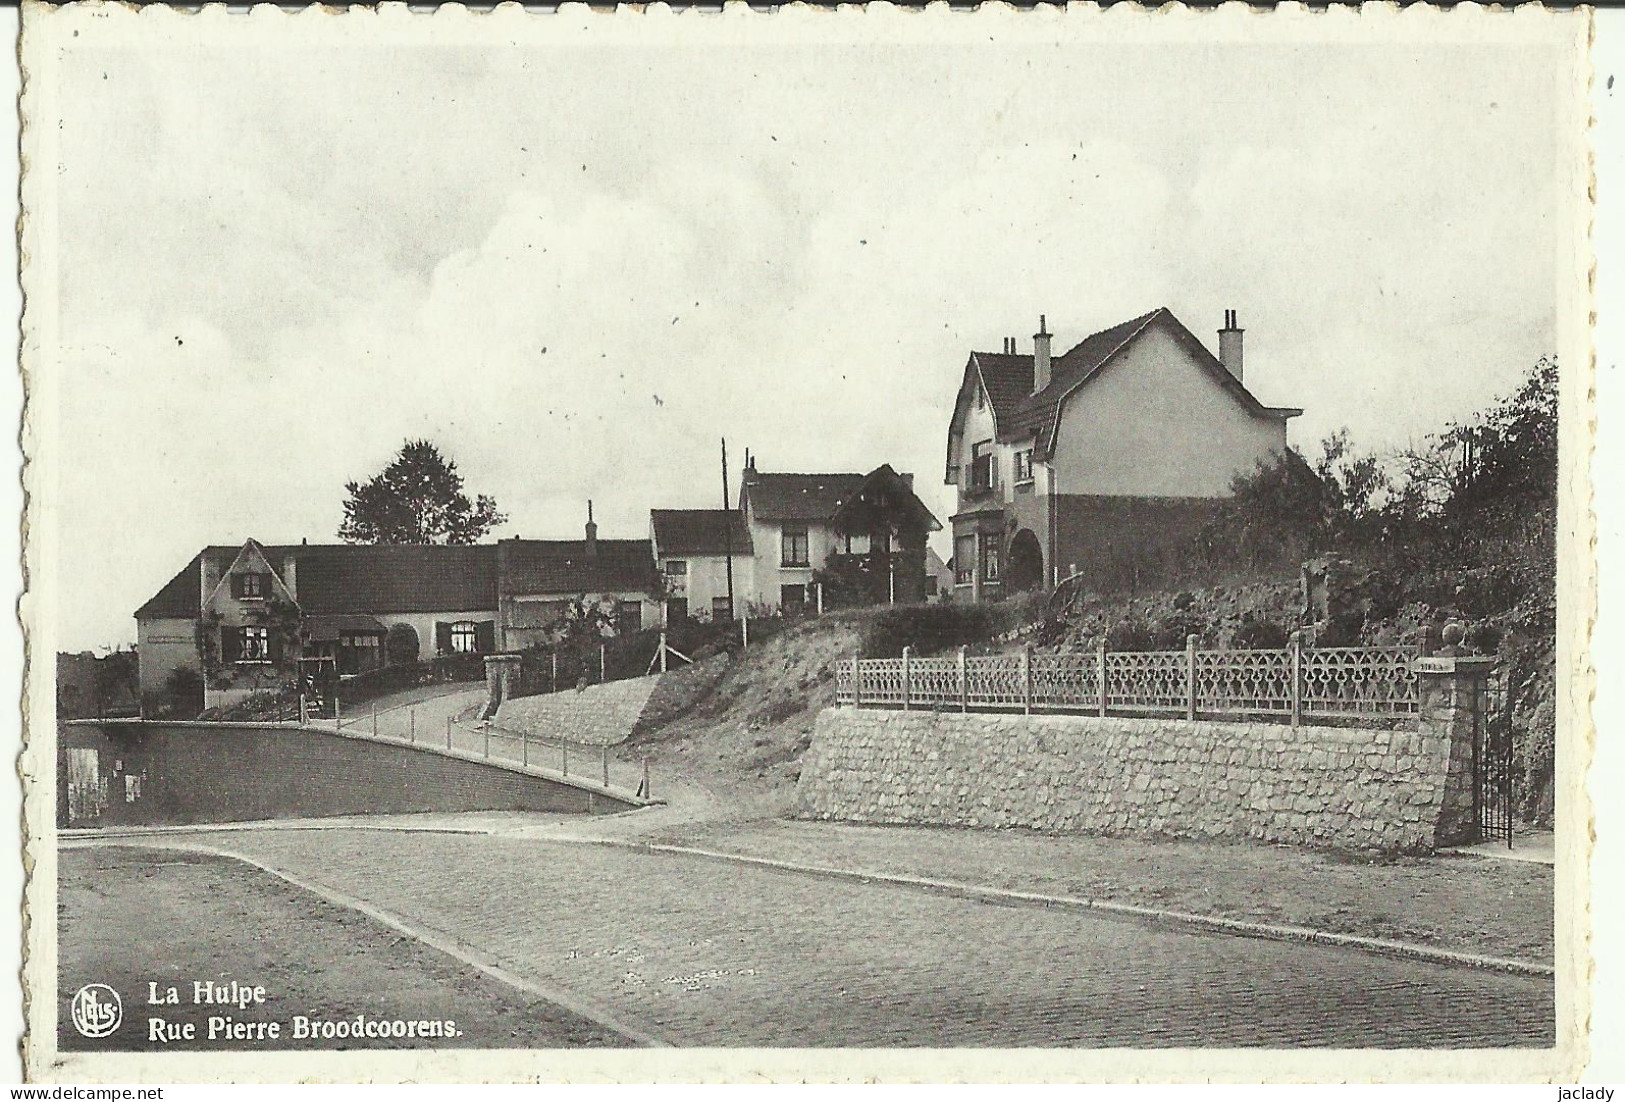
column 242, row 617
column 1106, row 460
column 799, row 522
column 694, row 551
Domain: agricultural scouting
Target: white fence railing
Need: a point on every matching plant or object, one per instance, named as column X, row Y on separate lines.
column 1295, row 683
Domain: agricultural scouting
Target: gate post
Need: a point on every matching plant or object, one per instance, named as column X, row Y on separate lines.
column 906, row 672
column 1294, row 648
column 1190, row 677
column 857, row 681
column 1448, row 688
column 1027, row 679
column 964, row 683
column 1100, row 675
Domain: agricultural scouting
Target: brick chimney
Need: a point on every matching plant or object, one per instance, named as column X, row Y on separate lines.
column 1041, row 356
column 1230, row 345
column 592, row 532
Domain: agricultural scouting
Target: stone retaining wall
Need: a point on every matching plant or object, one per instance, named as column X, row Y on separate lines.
column 1331, row 787
column 600, row 715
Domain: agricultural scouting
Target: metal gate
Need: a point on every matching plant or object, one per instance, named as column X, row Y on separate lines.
column 1492, row 758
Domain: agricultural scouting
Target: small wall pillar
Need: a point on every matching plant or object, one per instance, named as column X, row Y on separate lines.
column 1449, row 689
column 501, row 681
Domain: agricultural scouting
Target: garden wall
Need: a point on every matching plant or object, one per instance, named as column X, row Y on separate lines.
column 1331, row 787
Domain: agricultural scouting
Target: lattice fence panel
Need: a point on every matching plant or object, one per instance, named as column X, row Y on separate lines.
column 1146, row 680
column 1359, row 681
column 1257, row 682
column 1065, row 682
column 883, row 681
column 934, row 682
column 843, row 682
column 994, row 681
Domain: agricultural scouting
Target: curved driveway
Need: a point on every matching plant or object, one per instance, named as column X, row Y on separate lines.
column 698, row 952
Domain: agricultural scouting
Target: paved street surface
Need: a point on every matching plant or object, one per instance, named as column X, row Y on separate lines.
column 699, row 952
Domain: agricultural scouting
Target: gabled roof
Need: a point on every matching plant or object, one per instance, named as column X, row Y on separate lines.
column 563, row 567
column 700, row 531
column 1008, row 378
column 348, row 578
column 883, row 496
column 810, row 497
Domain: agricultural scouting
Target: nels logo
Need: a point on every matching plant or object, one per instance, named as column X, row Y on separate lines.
column 96, row 1010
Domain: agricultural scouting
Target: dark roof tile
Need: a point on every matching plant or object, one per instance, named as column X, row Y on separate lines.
column 700, row 531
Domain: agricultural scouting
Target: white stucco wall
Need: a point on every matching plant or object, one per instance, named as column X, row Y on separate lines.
column 423, row 623
column 1154, row 423
column 163, row 646
column 707, row 578
column 768, row 576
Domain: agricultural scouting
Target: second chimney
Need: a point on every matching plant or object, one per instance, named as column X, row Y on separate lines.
column 592, row 532
column 1230, row 345
column 1041, row 356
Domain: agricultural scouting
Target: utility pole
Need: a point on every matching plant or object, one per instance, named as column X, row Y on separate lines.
column 727, row 530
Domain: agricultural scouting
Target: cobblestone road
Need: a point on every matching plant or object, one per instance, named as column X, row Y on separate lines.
column 698, row 952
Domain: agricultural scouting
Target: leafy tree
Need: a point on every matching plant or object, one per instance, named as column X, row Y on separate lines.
column 417, row 499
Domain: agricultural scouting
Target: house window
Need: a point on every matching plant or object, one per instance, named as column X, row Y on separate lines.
column 249, row 587
column 857, row 544
column 990, row 556
column 677, row 568
column 722, row 610
column 256, row 643
column 628, row 617
column 793, row 548
column 465, row 638
column 982, row 474
column 1024, row 465
column 964, row 560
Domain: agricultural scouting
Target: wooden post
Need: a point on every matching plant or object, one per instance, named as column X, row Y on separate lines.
column 857, row 681
column 487, row 742
column 964, row 683
column 524, row 748
column 564, row 749
column 1294, row 648
column 1190, row 677
column 604, row 751
column 744, row 630
column 412, row 722
column 818, row 588
column 603, row 662
column 662, row 653
column 304, row 715
column 553, row 681
column 1027, row 679
column 375, row 719
column 1100, row 674
column 906, row 672
column 448, row 732
column 645, row 789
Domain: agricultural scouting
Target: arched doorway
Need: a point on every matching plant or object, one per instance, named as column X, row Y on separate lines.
column 1026, row 561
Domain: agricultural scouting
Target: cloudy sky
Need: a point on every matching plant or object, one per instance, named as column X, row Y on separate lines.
column 576, row 270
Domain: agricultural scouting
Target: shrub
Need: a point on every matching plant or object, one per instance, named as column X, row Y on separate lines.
column 1131, row 635
column 1257, row 633
column 401, row 645
column 928, row 629
column 1170, row 632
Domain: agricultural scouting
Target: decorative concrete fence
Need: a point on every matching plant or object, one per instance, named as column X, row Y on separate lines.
column 1295, row 683
column 1348, row 787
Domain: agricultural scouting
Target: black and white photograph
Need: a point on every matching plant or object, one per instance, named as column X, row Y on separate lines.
column 862, row 544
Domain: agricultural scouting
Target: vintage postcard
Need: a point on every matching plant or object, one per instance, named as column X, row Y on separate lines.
column 656, row 545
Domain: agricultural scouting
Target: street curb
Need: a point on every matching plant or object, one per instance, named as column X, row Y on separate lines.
column 440, row 942
column 1011, row 897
